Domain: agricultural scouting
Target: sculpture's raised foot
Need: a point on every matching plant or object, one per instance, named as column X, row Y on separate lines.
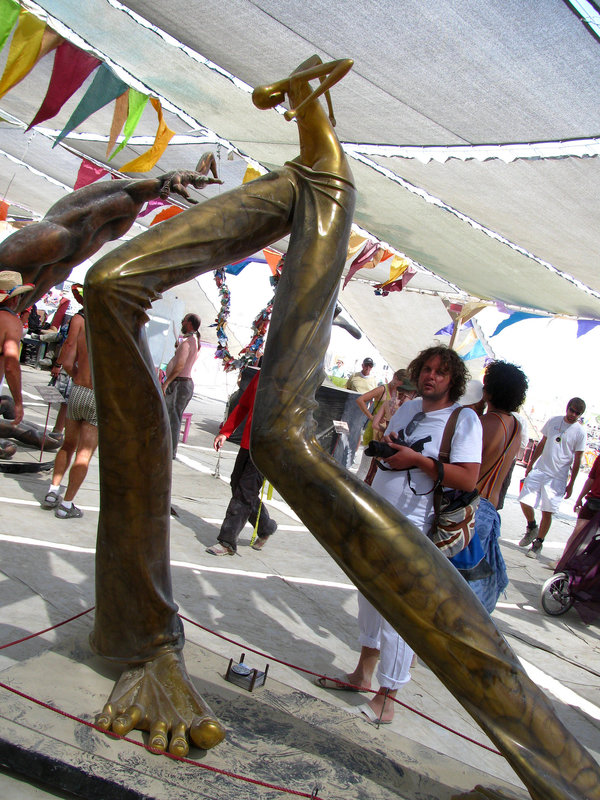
column 159, row 697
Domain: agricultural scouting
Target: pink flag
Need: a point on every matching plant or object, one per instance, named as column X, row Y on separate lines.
column 88, row 173
column 71, row 68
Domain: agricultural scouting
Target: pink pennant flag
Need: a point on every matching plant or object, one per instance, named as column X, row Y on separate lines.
column 88, row 173
column 367, row 253
column 153, row 205
column 71, row 67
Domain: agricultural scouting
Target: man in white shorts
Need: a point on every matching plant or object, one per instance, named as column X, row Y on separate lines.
column 559, row 450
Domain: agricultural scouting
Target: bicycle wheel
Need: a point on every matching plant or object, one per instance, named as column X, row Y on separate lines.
column 556, row 595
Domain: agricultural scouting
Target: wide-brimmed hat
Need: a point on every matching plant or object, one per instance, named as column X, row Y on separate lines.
column 11, row 284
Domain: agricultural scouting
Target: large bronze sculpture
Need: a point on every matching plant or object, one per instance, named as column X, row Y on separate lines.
column 392, row 563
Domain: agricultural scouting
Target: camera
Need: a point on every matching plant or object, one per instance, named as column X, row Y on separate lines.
column 380, row 449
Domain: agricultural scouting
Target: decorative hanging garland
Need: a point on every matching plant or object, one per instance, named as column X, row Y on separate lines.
column 221, row 321
column 251, row 353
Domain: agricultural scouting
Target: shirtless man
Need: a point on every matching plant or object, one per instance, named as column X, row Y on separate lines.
column 11, row 331
column 178, row 386
column 81, row 429
column 78, row 225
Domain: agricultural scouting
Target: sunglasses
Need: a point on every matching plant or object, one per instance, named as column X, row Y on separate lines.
column 412, row 425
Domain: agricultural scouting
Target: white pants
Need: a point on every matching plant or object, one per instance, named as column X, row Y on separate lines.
column 395, row 656
column 363, row 467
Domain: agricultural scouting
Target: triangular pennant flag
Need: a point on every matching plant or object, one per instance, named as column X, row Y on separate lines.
column 153, row 205
column 477, row 352
column 397, row 285
column 71, row 67
column 250, row 174
column 88, row 173
column 24, row 50
column 355, row 244
column 166, row 213
column 9, row 13
column 468, row 341
column 585, row 326
column 137, row 103
column 105, row 88
column 148, row 159
column 3, row 210
column 516, row 316
column 366, row 255
column 398, row 266
column 50, row 41
column 272, row 258
column 471, row 309
column 120, row 115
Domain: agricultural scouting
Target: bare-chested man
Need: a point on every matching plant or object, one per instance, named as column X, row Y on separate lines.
column 178, row 385
column 77, row 226
column 81, row 430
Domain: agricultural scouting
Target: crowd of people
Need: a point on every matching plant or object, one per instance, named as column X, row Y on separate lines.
column 70, row 372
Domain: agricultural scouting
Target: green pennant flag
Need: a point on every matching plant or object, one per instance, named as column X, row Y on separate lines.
column 137, row 104
column 9, row 12
column 105, row 88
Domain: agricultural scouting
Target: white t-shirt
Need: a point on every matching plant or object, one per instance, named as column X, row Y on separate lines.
column 557, row 457
column 465, row 448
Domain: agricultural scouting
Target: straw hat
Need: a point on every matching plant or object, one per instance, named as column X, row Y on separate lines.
column 11, row 284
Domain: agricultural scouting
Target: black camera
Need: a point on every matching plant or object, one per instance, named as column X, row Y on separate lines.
column 379, row 449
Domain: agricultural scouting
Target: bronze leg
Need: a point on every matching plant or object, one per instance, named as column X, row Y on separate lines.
column 391, row 562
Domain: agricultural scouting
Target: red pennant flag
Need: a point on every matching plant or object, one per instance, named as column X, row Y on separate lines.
column 3, row 210
column 88, row 173
column 71, row 68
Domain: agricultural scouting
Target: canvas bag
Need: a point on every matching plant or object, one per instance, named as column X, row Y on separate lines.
column 454, row 511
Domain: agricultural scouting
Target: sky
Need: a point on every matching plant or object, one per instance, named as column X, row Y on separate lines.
column 558, row 364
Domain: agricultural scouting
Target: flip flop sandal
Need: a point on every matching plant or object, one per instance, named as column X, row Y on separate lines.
column 340, row 682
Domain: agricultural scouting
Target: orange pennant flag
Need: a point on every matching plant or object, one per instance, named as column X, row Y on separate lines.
column 50, row 41
column 3, row 210
column 166, row 213
column 148, row 159
column 272, row 258
column 119, row 118
column 24, row 50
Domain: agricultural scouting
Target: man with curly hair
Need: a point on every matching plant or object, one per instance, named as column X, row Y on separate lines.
column 407, row 480
column 504, row 390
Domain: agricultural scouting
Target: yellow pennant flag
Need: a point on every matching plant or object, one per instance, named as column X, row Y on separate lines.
column 398, row 267
column 470, row 309
column 251, row 174
column 148, row 159
column 24, row 50
column 468, row 341
column 119, row 118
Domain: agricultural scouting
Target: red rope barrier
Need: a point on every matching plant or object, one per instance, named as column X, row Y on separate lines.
column 153, row 750
column 263, row 655
column 342, row 683
column 39, row 633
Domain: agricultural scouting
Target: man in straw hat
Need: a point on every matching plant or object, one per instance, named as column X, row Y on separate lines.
column 11, row 331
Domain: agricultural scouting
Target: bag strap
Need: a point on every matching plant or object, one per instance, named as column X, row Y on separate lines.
column 443, row 458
